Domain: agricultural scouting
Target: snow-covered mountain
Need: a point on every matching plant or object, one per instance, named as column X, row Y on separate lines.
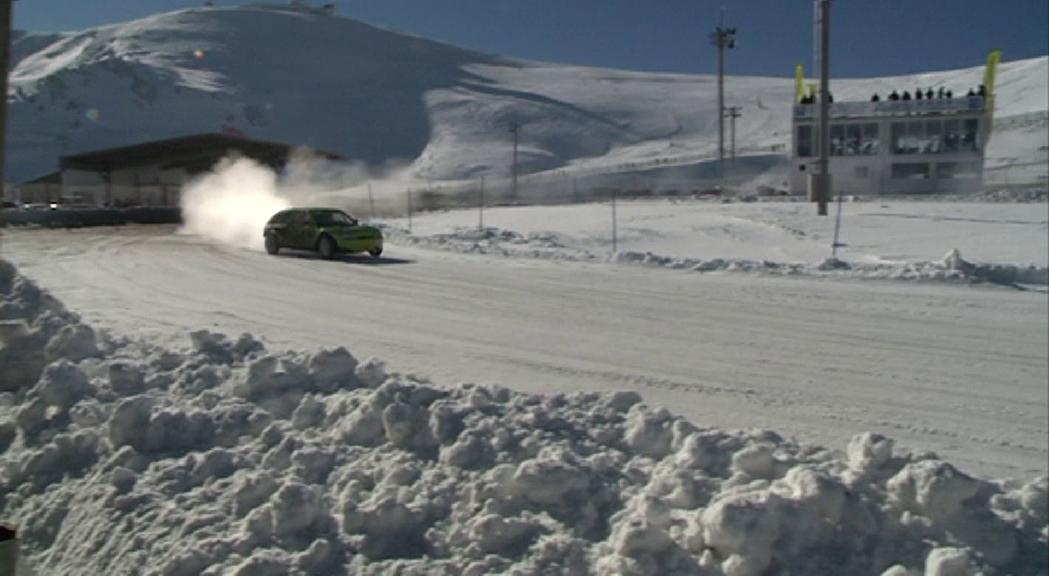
column 306, row 77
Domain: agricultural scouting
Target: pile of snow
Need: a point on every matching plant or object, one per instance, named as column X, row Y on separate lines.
column 227, row 458
column 552, row 246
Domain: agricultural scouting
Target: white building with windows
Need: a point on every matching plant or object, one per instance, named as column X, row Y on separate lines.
column 895, row 147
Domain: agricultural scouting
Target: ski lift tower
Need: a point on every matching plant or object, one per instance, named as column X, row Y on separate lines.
column 722, row 38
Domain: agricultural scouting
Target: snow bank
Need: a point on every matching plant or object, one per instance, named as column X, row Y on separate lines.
column 227, row 458
column 550, row 246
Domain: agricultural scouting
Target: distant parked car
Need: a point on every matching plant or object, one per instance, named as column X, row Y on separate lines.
column 325, row 230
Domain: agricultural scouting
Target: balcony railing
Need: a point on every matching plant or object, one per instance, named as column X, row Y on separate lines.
column 892, row 108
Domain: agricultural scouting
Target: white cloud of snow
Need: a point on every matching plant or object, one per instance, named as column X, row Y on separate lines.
column 232, row 203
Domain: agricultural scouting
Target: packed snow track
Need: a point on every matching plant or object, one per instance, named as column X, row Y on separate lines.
column 957, row 369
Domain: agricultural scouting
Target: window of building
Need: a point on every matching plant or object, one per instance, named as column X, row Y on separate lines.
column 837, row 140
column 932, row 144
column 969, row 135
column 853, row 137
column 952, row 136
column 899, row 138
column 863, row 172
column 806, row 143
column 869, row 144
column 910, row 171
column 915, row 135
column 957, row 170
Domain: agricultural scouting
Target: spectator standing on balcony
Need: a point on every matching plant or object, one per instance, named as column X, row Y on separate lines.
column 875, row 98
column 928, row 94
column 918, row 94
column 906, row 95
column 971, row 93
column 982, row 91
column 939, row 94
column 894, row 96
column 950, row 95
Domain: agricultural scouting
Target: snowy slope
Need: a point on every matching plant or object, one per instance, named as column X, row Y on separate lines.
column 376, row 95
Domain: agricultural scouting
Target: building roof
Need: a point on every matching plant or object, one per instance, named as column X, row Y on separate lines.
column 194, row 153
column 49, row 178
column 889, row 108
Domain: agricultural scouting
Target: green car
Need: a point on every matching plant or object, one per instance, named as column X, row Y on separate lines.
column 325, row 230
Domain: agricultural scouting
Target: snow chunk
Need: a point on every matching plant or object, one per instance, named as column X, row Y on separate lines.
column 62, row 385
column 331, row 369
column 932, row 488
column 949, row 562
column 73, row 342
column 869, row 451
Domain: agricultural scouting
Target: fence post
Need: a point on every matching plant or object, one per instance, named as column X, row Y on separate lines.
column 371, row 202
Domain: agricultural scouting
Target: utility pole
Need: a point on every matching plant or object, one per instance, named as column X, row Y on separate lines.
column 733, row 112
column 480, row 211
column 824, row 180
column 5, row 58
column 722, row 38
column 409, row 211
column 515, row 129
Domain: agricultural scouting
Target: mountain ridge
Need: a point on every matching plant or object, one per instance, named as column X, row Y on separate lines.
column 381, row 96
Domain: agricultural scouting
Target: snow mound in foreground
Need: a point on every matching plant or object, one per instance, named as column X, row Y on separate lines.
column 117, row 456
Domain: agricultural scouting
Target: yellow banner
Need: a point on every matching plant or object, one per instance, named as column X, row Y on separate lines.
column 799, row 83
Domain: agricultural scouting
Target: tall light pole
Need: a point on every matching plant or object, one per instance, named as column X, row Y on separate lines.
column 722, row 38
column 824, row 181
column 733, row 112
column 515, row 129
column 5, row 58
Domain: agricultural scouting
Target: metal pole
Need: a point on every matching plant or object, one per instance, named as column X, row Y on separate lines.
column 409, row 211
column 721, row 109
column 615, row 246
column 733, row 112
column 722, row 38
column 824, row 162
column 371, row 204
column 480, row 208
column 515, row 128
column 837, row 229
column 5, row 58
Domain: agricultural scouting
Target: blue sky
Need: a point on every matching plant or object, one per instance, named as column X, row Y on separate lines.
column 871, row 37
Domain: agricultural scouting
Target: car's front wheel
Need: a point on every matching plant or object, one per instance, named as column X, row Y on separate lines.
column 375, row 252
column 272, row 247
column 326, row 247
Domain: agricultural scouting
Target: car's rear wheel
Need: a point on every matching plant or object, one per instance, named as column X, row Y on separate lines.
column 272, row 247
column 326, row 247
column 375, row 252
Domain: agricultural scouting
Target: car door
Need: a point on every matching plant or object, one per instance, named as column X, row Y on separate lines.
column 305, row 230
